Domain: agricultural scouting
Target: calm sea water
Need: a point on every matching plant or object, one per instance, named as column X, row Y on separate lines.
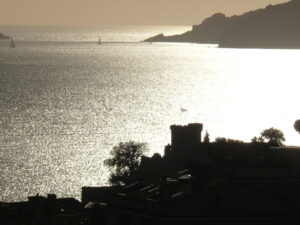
column 66, row 101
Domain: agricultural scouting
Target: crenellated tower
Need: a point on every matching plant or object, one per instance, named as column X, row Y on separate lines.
column 185, row 137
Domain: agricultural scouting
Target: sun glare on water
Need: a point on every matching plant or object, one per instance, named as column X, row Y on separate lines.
column 245, row 92
column 259, row 92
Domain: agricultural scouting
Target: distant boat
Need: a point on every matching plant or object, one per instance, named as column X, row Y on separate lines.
column 12, row 43
column 99, row 41
column 183, row 109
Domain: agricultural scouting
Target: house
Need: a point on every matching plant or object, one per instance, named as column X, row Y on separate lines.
column 44, row 210
column 229, row 182
column 186, row 200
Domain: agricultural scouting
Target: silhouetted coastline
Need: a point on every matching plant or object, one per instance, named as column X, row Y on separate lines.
column 196, row 182
column 276, row 26
column 3, row 36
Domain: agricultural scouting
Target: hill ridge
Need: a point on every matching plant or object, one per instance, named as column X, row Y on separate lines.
column 275, row 26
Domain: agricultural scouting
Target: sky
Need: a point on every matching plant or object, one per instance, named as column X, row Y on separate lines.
column 120, row 12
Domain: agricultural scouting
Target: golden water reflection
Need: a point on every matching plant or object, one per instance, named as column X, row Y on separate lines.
column 65, row 105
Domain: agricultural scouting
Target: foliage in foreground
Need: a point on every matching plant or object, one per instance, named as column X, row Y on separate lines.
column 223, row 140
column 274, row 137
column 125, row 160
column 297, row 126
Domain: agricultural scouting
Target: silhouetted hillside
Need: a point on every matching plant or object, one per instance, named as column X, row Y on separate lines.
column 275, row 26
column 2, row 36
column 209, row 31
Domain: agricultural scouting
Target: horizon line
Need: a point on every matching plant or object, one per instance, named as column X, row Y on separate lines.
column 101, row 25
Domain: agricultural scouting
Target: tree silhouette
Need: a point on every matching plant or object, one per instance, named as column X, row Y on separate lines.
column 297, row 126
column 125, row 161
column 220, row 140
column 223, row 140
column 257, row 139
column 274, row 136
column 206, row 138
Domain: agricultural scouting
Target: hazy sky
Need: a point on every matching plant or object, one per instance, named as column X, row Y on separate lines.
column 120, row 12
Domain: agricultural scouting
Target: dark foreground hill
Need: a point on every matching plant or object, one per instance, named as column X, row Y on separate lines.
column 275, row 26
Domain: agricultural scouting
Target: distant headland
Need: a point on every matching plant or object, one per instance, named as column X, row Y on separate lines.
column 275, row 26
column 2, row 36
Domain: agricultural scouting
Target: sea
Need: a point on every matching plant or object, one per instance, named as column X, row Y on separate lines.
column 66, row 100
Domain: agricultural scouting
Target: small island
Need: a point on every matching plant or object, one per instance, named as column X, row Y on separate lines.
column 275, row 26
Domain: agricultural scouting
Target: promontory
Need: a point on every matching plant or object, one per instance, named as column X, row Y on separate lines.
column 2, row 36
column 275, row 26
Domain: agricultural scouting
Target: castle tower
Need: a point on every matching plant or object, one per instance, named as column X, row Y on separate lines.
column 185, row 137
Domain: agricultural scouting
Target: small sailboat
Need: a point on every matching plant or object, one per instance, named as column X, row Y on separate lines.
column 183, row 110
column 99, row 41
column 12, row 43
